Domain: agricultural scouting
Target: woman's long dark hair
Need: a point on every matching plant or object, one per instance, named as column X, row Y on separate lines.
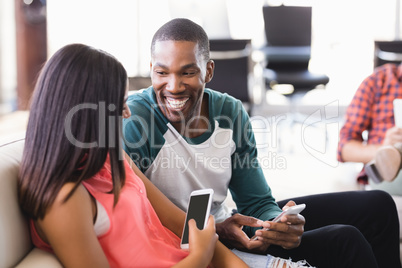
column 74, row 123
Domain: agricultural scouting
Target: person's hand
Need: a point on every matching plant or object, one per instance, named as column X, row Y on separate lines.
column 286, row 233
column 231, row 232
column 202, row 242
column 392, row 136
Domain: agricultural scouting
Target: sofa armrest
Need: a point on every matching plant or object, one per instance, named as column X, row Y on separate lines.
column 38, row 258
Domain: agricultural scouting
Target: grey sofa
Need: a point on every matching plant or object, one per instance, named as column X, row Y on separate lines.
column 16, row 249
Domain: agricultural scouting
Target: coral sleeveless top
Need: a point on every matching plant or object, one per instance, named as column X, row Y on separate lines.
column 136, row 237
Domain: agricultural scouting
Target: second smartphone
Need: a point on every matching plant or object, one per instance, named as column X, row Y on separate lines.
column 199, row 208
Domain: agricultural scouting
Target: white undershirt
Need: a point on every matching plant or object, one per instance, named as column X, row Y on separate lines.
column 102, row 222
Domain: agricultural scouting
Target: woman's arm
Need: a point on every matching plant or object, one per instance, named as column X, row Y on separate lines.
column 201, row 245
column 224, row 257
column 68, row 228
column 164, row 208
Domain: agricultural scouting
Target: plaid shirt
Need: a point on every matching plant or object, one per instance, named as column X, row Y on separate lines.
column 371, row 108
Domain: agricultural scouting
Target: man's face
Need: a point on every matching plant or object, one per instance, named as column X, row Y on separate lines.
column 179, row 73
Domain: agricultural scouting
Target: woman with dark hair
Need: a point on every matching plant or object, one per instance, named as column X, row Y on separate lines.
column 84, row 201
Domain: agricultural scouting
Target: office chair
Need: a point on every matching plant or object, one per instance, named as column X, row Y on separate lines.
column 232, row 73
column 288, row 52
column 387, row 52
column 288, row 49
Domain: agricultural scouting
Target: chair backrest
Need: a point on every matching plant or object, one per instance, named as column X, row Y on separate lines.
column 387, row 52
column 232, row 59
column 287, row 25
column 288, row 34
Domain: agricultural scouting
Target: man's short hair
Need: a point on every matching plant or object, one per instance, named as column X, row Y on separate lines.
column 183, row 30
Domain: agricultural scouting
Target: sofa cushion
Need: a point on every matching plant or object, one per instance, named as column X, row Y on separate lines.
column 39, row 259
column 15, row 239
column 15, row 243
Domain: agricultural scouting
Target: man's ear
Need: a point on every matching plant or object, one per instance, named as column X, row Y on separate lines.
column 210, row 71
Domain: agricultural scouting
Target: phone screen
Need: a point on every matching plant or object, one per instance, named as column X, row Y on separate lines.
column 197, row 209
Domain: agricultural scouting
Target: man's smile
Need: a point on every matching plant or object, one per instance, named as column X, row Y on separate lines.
column 176, row 103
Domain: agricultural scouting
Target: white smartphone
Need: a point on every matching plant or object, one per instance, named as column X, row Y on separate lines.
column 398, row 112
column 294, row 210
column 199, row 207
column 290, row 211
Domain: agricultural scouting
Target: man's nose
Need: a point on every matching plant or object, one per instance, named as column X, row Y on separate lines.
column 174, row 84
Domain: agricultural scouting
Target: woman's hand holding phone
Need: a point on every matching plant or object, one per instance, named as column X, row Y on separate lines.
column 202, row 242
column 199, row 234
column 199, row 207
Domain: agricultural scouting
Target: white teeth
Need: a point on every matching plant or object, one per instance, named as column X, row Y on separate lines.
column 176, row 104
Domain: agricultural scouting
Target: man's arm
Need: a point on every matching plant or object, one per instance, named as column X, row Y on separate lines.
column 357, row 151
column 370, row 110
column 351, row 146
column 248, row 187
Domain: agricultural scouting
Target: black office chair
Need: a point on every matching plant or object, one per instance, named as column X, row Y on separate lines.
column 387, row 52
column 288, row 49
column 233, row 67
column 288, row 52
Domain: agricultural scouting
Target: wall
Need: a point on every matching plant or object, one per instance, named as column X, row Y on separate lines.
column 8, row 67
column 343, row 32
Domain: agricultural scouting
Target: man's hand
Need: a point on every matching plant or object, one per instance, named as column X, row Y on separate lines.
column 286, row 233
column 231, row 234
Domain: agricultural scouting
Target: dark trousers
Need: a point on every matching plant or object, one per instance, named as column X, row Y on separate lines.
column 347, row 229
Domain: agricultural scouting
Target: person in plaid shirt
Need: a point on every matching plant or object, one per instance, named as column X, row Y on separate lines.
column 371, row 110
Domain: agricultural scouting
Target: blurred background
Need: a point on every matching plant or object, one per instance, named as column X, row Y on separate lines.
column 343, row 36
column 343, row 32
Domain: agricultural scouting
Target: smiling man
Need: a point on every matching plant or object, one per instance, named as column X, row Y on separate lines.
column 179, row 74
column 186, row 137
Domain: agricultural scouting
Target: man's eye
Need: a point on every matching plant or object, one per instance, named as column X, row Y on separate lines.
column 160, row 72
column 188, row 73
